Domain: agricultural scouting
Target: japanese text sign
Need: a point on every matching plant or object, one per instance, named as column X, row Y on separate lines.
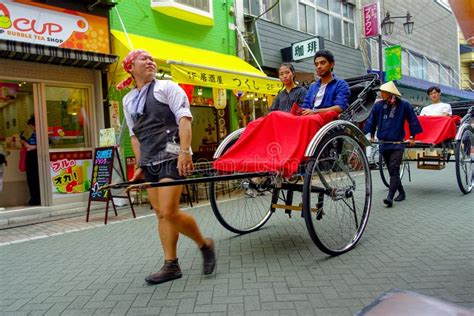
column 305, row 49
column 70, row 171
column 101, row 173
column 372, row 19
column 217, row 79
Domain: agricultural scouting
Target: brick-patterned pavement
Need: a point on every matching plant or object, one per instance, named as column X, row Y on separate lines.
column 424, row 244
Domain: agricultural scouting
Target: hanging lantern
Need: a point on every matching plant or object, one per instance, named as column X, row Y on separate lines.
column 220, row 98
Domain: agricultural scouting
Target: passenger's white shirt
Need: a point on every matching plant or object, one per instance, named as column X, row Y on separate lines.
column 165, row 91
column 436, row 109
column 320, row 95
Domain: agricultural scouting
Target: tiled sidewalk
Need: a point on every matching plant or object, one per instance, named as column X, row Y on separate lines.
column 424, row 244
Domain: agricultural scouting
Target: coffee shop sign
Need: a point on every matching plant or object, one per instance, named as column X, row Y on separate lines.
column 306, row 49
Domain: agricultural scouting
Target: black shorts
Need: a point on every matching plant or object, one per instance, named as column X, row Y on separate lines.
column 167, row 169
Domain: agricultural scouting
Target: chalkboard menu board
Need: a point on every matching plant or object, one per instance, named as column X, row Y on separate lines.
column 102, row 173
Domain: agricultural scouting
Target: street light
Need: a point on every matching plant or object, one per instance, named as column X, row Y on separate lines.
column 387, row 28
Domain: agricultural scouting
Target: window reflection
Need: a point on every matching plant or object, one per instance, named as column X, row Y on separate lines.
column 67, row 117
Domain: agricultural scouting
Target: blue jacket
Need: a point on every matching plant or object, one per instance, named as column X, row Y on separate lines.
column 390, row 125
column 337, row 93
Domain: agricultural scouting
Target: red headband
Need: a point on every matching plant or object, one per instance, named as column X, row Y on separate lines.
column 127, row 66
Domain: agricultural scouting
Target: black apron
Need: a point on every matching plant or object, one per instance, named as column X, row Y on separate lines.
column 153, row 129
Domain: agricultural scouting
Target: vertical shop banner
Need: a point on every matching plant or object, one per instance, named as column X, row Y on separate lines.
column 393, row 63
column 220, row 98
column 70, row 172
column 114, row 112
column 372, row 19
column 38, row 23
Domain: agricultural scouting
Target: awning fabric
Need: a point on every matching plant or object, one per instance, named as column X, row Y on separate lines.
column 198, row 66
column 54, row 55
column 423, row 85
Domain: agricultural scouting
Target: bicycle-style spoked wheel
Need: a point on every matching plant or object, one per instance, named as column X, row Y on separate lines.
column 337, row 194
column 244, row 205
column 464, row 157
column 383, row 170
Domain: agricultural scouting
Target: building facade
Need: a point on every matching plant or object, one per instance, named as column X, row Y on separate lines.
column 194, row 44
column 273, row 26
column 430, row 55
column 53, row 60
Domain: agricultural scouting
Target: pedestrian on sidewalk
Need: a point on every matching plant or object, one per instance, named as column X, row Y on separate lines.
column 159, row 119
column 31, row 163
column 388, row 117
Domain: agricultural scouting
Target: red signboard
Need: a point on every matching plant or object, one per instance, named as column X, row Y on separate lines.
column 372, row 19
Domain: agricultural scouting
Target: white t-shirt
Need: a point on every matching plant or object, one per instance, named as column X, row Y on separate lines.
column 320, row 95
column 165, row 91
column 436, row 109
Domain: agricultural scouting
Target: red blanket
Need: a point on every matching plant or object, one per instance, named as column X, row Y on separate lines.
column 436, row 129
column 274, row 143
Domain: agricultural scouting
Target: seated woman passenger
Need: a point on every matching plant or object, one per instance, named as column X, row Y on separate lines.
column 292, row 93
column 437, row 108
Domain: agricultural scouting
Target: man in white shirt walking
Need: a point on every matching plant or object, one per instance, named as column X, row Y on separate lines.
column 437, row 108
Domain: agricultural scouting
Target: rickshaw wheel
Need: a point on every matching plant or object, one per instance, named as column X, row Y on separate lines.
column 464, row 155
column 243, row 205
column 383, row 170
column 337, row 193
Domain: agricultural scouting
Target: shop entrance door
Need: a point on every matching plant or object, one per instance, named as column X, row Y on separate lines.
column 19, row 181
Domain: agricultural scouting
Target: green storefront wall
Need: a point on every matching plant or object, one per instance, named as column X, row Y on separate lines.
column 139, row 18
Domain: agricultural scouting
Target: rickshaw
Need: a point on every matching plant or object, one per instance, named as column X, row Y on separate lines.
column 333, row 184
column 435, row 155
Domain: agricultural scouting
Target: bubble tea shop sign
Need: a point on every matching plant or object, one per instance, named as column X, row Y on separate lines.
column 46, row 25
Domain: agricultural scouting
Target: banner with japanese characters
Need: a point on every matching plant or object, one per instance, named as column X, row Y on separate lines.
column 218, row 79
column 70, row 171
column 372, row 22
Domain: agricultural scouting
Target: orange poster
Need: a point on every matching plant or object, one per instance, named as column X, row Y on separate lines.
column 31, row 22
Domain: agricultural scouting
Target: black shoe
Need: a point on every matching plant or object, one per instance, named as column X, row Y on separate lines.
column 169, row 271
column 388, row 202
column 400, row 197
column 209, row 257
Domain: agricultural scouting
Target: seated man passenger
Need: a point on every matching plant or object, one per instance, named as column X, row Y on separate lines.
column 329, row 93
column 437, row 108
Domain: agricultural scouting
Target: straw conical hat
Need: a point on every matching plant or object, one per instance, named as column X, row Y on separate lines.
column 390, row 88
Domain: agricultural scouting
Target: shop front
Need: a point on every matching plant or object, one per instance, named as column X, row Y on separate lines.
column 51, row 62
column 225, row 92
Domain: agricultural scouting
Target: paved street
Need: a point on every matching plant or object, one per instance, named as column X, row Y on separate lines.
column 424, row 244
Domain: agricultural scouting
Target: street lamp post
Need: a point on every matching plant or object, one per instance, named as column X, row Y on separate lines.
column 387, row 29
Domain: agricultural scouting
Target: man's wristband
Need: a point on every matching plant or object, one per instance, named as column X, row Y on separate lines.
column 184, row 151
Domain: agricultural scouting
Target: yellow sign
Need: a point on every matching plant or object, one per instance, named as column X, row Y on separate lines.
column 218, row 79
